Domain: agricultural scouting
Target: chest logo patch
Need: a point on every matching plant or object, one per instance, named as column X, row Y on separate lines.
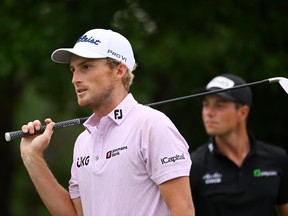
column 261, row 173
column 214, row 178
column 82, row 161
column 115, row 152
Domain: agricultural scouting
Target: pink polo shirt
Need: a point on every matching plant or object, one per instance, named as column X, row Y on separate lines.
column 118, row 165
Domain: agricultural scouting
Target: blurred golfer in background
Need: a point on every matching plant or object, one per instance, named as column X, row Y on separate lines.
column 235, row 174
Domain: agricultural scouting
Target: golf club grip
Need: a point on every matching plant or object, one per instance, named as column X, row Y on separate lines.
column 18, row 134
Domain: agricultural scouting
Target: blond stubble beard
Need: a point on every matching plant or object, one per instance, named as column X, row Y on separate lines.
column 100, row 100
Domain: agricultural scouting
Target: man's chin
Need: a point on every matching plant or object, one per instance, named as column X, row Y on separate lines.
column 211, row 132
column 82, row 103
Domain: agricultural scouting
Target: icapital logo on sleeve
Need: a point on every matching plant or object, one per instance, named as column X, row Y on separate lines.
column 173, row 159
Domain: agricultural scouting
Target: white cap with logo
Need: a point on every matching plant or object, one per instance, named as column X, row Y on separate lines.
column 98, row 43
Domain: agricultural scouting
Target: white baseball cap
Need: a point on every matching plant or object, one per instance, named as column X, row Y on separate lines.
column 98, row 43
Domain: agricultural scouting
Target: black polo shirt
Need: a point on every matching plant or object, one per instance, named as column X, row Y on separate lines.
column 219, row 187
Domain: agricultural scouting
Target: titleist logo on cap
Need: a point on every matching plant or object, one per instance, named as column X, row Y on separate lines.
column 84, row 38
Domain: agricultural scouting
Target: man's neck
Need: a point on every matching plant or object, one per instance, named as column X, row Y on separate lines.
column 234, row 146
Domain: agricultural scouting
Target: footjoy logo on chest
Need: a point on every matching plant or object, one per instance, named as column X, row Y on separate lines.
column 173, row 159
column 118, row 114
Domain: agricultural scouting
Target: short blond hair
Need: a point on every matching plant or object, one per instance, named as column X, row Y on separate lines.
column 127, row 78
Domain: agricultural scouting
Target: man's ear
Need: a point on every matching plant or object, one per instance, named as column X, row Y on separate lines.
column 244, row 112
column 121, row 69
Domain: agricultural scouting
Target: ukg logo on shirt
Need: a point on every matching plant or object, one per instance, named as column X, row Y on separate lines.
column 82, row 161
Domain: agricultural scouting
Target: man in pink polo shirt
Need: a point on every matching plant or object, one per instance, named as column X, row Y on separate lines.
column 130, row 159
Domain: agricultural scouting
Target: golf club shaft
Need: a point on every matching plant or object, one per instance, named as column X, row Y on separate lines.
column 18, row 134
column 208, row 93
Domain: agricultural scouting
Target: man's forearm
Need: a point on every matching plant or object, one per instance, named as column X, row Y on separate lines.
column 54, row 196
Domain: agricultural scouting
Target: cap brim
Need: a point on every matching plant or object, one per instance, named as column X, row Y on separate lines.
column 225, row 95
column 64, row 55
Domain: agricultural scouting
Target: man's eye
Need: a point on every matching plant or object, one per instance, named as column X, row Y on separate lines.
column 86, row 66
column 221, row 105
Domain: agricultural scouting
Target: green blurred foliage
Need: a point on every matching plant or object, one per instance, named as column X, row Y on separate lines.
column 179, row 46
